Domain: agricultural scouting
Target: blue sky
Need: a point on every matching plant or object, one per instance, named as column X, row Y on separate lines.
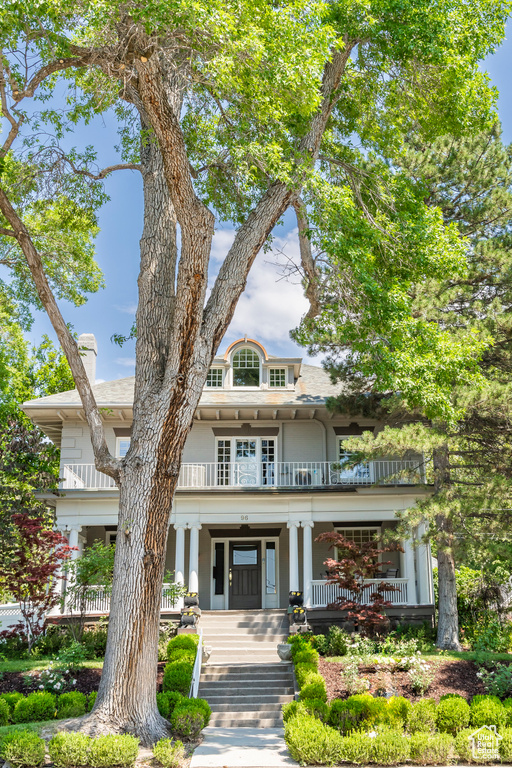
column 270, row 306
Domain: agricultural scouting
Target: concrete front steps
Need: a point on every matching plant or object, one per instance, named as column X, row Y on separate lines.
column 244, row 682
column 247, row 695
column 244, row 636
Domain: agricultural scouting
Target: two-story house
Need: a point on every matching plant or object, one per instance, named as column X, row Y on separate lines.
column 262, row 477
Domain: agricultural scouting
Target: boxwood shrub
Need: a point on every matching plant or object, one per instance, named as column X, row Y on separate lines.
column 22, row 749
column 112, row 750
column 35, row 707
column 507, row 703
column 91, row 701
column 72, row 704
column 506, row 745
column 185, row 642
column 166, row 701
column 187, row 722
column 422, row 717
column 463, row 746
column 398, row 711
column 346, row 716
column 431, row 748
column 178, row 676
column 488, row 712
column 5, row 712
column 317, row 708
column 356, row 748
column 310, row 742
column 390, row 747
column 69, row 749
column 302, row 672
column 452, row 715
column 305, row 655
column 169, row 753
column 313, row 688
column 11, row 699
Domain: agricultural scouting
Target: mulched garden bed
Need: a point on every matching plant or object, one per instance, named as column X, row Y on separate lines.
column 451, row 676
column 87, row 680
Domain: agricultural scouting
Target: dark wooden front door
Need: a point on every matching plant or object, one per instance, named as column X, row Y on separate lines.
column 244, row 575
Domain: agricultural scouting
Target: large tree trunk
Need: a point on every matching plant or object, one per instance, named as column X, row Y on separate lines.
column 448, row 618
column 178, row 333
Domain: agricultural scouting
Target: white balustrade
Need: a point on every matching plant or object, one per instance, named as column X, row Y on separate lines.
column 324, row 594
column 98, row 600
column 275, row 474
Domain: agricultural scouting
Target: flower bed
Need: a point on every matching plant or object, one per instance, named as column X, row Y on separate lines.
column 450, row 676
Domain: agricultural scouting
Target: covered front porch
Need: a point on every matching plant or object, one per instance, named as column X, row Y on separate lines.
column 254, row 566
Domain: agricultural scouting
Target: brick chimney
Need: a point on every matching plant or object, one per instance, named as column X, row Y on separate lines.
column 88, row 351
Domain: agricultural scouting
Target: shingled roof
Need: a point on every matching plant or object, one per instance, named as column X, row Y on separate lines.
column 313, row 386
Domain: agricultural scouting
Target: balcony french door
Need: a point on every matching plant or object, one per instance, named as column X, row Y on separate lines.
column 253, row 461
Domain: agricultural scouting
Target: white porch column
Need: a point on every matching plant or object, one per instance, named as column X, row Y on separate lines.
column 74, row 541
column 193, row 571
column 410, row 572
column 294, row 557
column 424, row 572
column 307, row 561
column 179, row 559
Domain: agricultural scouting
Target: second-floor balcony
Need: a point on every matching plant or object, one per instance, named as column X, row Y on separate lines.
column 275, row 474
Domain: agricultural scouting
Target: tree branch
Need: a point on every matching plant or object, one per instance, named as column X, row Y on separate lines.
column 306, row 257
column 252, row 234
column 103, row 458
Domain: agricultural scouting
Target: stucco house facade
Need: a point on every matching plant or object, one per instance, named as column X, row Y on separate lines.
column 261, row 478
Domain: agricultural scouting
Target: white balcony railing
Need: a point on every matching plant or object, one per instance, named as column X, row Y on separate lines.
column 99, row 601
column 324, row 594
column 275, row 474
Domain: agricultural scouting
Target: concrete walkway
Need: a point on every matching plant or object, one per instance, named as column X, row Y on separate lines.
column 242, row 748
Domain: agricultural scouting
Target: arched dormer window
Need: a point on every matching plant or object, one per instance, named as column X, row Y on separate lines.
column 246, row 368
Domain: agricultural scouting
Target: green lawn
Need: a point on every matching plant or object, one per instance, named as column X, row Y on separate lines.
column 42, row 662
column 37, row 727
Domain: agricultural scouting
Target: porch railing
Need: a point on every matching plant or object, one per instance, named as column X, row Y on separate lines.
column 324, row 594
column 196, row 672
column 98, row 601
column 270, row 474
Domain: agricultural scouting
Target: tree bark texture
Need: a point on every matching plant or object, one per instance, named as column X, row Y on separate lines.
column 448, row 617
column 178, row 334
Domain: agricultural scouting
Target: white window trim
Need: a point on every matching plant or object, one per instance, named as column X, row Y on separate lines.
column 119, row 440
column 258, row 460
column 223, row 373
column 265, row 599
column 232, row 369
column 341, row 528
column 278, row 368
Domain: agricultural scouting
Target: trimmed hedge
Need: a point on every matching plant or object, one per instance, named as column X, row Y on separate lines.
column 313, row 688
column 305, row 655
column 356, row 748
column 302, row 671
column 431, row 748
column 5, row 712
column 488, row 712
column 310, row 742
column 346, row 716
column 187, row 722
column 185, row 642
column 169, row 753
column 178, row 676
column 72, row 704
column 422, row 717
column 68, row 750
column 22, row 749
column 37, row 706
column 452, row 715
column 11, row 699
column 390, row 748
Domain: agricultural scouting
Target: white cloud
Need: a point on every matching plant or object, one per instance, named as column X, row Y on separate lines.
column 99, row 381
column 128, row 309
column 128, row 362
column 271, row 304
